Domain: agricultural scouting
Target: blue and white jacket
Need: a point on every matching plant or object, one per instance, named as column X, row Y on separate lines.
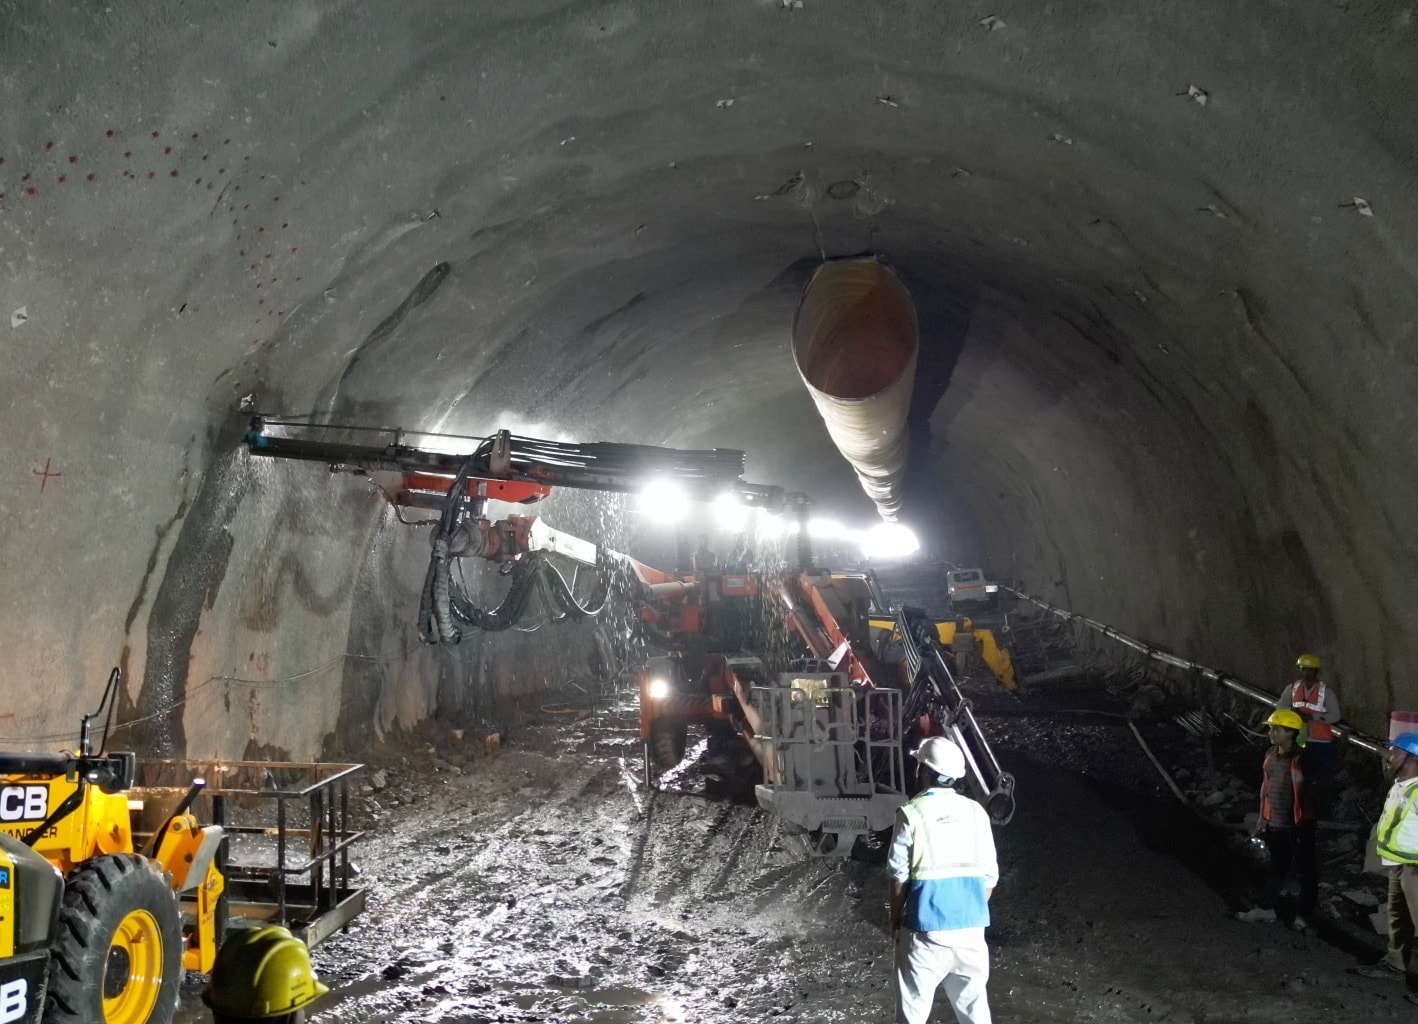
column 944, row 851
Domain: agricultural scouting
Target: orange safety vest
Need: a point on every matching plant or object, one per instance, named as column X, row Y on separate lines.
column 1299, row 811
column 1307, row 706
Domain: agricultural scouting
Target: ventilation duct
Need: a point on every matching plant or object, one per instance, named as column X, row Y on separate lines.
column 855, row 341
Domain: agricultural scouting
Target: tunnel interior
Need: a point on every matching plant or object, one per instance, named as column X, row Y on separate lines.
column 1163, row 365
column 1162, row 259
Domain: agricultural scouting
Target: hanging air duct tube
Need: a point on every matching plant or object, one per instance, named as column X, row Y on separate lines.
column 855, row 341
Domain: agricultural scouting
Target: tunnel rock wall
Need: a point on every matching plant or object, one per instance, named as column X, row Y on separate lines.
column 1203, row 533
column 593, row 217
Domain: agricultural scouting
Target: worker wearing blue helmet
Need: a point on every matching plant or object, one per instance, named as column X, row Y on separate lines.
column 1397, row 836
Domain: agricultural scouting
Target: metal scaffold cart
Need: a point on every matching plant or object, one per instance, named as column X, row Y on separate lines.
column 286, row 858
column 835, row 769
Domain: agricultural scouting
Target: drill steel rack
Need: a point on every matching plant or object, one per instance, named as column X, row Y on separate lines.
column 286, row 856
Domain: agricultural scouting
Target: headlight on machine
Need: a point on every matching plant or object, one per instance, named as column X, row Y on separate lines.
column 658, row 689
column 992, row 588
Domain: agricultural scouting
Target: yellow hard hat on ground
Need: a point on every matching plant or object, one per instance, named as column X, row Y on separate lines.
column 1309, row 661
column 262, row 973
column 1286, row 719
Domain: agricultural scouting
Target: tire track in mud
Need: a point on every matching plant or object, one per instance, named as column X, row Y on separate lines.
column 538, row 888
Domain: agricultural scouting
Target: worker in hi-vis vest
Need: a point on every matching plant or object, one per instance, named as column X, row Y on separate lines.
column 943, row 871
column 1315, row 702
column 1397, row 846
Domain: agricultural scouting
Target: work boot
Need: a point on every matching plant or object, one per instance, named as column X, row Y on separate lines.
column 1257, row 915
column 1383, row 969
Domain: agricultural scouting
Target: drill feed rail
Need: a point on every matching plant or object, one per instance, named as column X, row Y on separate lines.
column 933, row 684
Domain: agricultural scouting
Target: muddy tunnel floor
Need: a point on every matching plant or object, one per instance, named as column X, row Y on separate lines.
column 543, row 883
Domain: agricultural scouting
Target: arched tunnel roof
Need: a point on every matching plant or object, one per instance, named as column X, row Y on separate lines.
column 1162, row 254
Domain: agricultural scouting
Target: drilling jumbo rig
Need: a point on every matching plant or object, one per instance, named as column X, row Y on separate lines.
column 853, row 683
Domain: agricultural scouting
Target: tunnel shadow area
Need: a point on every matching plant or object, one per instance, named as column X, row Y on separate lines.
column 1113, row 771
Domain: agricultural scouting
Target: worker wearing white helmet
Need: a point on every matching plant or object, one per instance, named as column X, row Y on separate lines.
column 943, row 871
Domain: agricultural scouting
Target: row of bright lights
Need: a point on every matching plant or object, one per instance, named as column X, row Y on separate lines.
column 665, row 503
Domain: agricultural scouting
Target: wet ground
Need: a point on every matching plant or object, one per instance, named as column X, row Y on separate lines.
column 543, row 883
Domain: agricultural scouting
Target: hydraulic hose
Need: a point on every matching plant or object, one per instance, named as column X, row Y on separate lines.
column 1354, row 736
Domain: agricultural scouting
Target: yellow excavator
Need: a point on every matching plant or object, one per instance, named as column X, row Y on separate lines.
column 93, row 929
column 963, row 640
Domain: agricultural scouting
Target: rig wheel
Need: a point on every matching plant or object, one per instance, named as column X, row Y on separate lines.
column 118, row 955
column 668, row 739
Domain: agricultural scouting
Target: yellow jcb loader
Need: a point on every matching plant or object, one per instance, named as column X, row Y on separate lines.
column 112, row 948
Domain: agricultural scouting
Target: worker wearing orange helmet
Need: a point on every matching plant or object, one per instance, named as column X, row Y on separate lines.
column 1286, row 821
column 1317, row 703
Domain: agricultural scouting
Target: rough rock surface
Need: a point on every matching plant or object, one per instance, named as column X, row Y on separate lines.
column 1163, row 255
column 545, row 885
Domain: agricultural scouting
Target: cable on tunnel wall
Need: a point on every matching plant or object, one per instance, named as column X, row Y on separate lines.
column 191, row 691
column 1354, row 736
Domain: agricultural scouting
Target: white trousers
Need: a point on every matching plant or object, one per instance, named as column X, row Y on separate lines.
column 923, row 965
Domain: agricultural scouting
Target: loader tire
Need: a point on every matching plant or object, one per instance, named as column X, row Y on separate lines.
column 668, row 739
column 117, row 958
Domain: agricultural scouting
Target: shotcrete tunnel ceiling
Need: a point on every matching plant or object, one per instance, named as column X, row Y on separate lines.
column 1162, row 257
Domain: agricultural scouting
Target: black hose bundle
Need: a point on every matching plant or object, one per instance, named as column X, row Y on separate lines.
column 445, row 610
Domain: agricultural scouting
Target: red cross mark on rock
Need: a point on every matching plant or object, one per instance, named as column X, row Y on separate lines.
column 44, row 475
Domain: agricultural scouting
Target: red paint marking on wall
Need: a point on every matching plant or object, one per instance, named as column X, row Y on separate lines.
column 31, row 191
column 49, row 145
column 166, row 150
column 73, row 159
column 157, row 134
column 110, row 133
column 205, row 156
column 128, row 154
column 152, row 175
column 172, row 174
column 221, row 170
column 63, row 178
column 284, row 226
column 195, row 136
column 45, row 475
column 89, row 177
column 25, row 176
